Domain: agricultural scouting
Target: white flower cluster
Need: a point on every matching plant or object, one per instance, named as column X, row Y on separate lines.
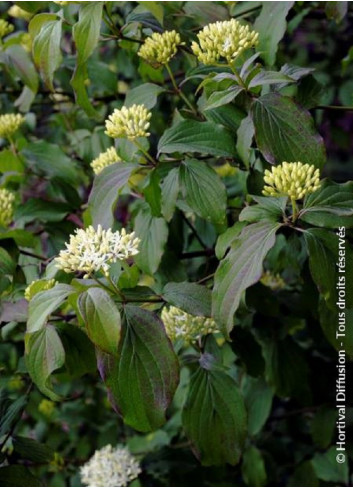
column 180, row 324
column 110, row 468
column 91, row 250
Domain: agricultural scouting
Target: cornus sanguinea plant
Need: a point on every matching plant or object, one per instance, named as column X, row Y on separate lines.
column 173, row 242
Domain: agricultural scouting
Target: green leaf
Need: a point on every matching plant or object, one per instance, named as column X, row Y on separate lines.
column 214, row 416
column 253, row 467
column 50, row 160
column 269, row 78
column 285, row 132
column 258, row 400
column 145, row 376
column 192, row 298
column 170, row 187
column 80, row 357
column 286, row 369
column 46, row 50
column 42, row 210
column 271, row 26
column 86, row 34
column 331, row 206
column 267, row 208
column 77, row 82
column 102, row 319
column 197, row 137
column 20, row 62
column 7, row 265
column 30, row 449
column 105, row 192
column 38, row 21
column 44, row 355
column 245, row 135
column 10, row 412
column 322, row 261
column 44, row 303
column 241, row 268
column 336, row 10
column 18, row 475
column 323, row 426
column 153, row 193
column 145, row 94
column 304, row 476
column 20, row 237
column 328, row 469
column 10, row 162
column 86, row 31
column 225, row 240
column 204, row 191
column 222, row 97
column 153, row 232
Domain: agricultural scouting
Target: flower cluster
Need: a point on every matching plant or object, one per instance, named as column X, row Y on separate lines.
column 159, row 49
column 19, row 13
column 180, row 324
column 91, row 250
column 110, row 467
column 105, row 159
column 294, row 180
column 5, row 28
column 9, row 123
column 226, row 40
column 129, row 122
column 7, row 199
column 38, row 286
column 273, row 281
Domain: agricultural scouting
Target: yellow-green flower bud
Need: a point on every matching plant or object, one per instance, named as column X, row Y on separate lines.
column 225, row 170
column 19, row 13
column 38, row 286
column 105, row 159
column 7, row 199
column 46, row 407
column 273, row 281
column 294, row 180
column 159, row 49
column 9, row 123
column 181, row 325
column 5, row 28
column 129, row 122
column 225, row 40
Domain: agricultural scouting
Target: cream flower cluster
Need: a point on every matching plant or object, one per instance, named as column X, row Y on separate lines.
column 7, row 199
column 226, row 40
column 9, row 123
column 91, row 250
column 159, row 49
column 294, row 180
column 180, row 324
column 129, row 122
column 38, row 286
column 5, row 28
column 19, row 13
column 105, row 159
column 110, row 467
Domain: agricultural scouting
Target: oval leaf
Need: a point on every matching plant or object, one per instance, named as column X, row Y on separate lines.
column 143, row 380
column 285, row 132
column 102, row 319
